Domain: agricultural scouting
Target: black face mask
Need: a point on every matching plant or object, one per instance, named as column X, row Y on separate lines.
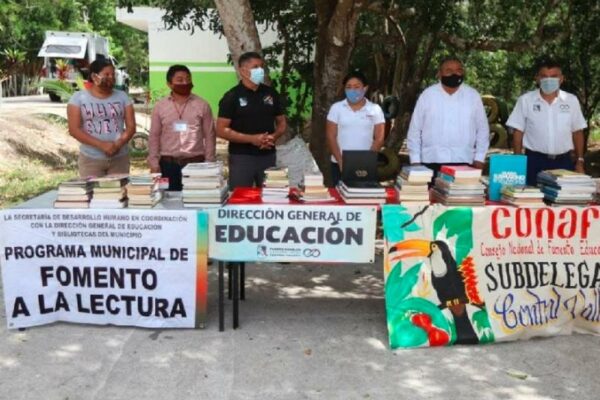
column 452, row 81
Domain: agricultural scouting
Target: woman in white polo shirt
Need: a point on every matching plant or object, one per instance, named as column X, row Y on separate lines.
column 354, row 123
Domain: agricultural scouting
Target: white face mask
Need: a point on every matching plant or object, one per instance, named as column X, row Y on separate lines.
column 257, row 75
column 549, row 85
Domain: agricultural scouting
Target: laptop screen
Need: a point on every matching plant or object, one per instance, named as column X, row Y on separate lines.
column 359, row 166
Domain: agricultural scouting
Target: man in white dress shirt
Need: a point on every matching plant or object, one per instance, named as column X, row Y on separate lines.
column 549, row 124
column 449, row 124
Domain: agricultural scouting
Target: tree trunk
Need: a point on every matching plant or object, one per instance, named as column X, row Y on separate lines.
column 336, row 28
column 239, row 27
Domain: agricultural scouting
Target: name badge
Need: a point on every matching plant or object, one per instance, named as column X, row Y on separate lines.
column 180, row 126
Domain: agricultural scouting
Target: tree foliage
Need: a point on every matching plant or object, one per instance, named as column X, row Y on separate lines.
column 23, row 24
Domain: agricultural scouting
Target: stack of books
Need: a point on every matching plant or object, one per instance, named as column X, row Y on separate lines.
column 109, row 192
column 458, row 185
column 276, row 185
column 375, row 194
column 203, row 185
column 74, row 193
column 314, row 190
column 412, row 185
column 142, row 191
column 564, row 187
column 520, row 196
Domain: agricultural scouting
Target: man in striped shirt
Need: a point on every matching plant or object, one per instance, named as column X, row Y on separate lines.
column 182, row 129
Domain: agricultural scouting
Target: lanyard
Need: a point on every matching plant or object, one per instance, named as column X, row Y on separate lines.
column 180, row 113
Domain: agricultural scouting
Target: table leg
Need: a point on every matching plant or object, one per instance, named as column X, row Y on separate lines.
column 243, row 281
column 229, row 280
column 221, row 298
column 236, row 298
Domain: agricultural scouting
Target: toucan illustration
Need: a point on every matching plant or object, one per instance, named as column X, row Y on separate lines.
column 455, row 286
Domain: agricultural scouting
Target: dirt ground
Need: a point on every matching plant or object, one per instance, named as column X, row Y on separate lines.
column 35, row 137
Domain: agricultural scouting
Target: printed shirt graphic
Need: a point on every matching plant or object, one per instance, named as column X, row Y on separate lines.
column 103, row 119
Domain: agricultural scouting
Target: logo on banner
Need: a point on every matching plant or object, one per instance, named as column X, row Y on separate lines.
column 311, row 252
column 261, row 251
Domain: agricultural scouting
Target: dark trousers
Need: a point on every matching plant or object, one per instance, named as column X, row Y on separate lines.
column 336, row 174
column 171, row 168
column 248, row 170
column 537, row 162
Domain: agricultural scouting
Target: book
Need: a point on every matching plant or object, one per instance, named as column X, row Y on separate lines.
column 71, row 204
column 506, row 169
column 461, row 171
column 110, row 181
column 450, row 178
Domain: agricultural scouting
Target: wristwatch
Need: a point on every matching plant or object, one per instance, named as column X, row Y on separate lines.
column 580, row 159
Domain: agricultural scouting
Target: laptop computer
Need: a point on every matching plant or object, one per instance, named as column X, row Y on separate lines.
column 359, row 168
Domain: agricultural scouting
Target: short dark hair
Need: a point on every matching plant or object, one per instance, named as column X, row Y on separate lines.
column 356, row 74
column 448, row 59
column 173, row 69
column 549, row 63
column 98, row 65
column 248, row 56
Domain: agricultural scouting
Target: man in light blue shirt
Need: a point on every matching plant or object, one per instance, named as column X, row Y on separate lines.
column 548, row 125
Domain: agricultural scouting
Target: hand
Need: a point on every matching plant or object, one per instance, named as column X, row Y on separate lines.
column 579, row 167
column 267, row 141
column 109, row 148
column 120, row 142
column 478, row 164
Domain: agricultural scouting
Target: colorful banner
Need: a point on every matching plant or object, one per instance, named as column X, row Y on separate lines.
column 143, row 268
column 289, row 233
column 488, row 274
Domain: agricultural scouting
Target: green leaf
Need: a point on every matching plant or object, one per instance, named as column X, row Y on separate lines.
column 458, row 222
column 398, row 285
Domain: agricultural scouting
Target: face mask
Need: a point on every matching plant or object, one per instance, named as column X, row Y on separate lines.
column 257, row 75
column 182, row 89
column 452, row 81
column 105, row 83
column 354, row 95
column 549, row 85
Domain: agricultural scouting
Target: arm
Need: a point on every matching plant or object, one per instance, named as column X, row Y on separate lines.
column 331, row 132
column 516, row 120
column 280, row 127
column 154, row 140
column 225, row 132
column 579, row 145
column 413, row 138
column 482, row 134
column 74, row 118
column 129, row 131
column 210, row 137
column 517, row 141
column 378, row 137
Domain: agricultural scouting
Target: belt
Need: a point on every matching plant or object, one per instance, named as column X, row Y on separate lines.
column 182, row 161
column 549, row 156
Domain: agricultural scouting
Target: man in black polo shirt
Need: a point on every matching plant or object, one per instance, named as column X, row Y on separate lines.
column 251, row 118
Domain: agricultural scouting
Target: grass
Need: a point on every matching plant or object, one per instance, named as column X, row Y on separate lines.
column 30, row 179
column 53, row 118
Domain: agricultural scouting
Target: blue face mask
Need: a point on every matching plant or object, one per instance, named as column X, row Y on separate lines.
column 354, row 95
column 549, row 85
column 257, row 75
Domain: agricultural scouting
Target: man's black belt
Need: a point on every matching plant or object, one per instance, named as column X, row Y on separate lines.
column 549, row 156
